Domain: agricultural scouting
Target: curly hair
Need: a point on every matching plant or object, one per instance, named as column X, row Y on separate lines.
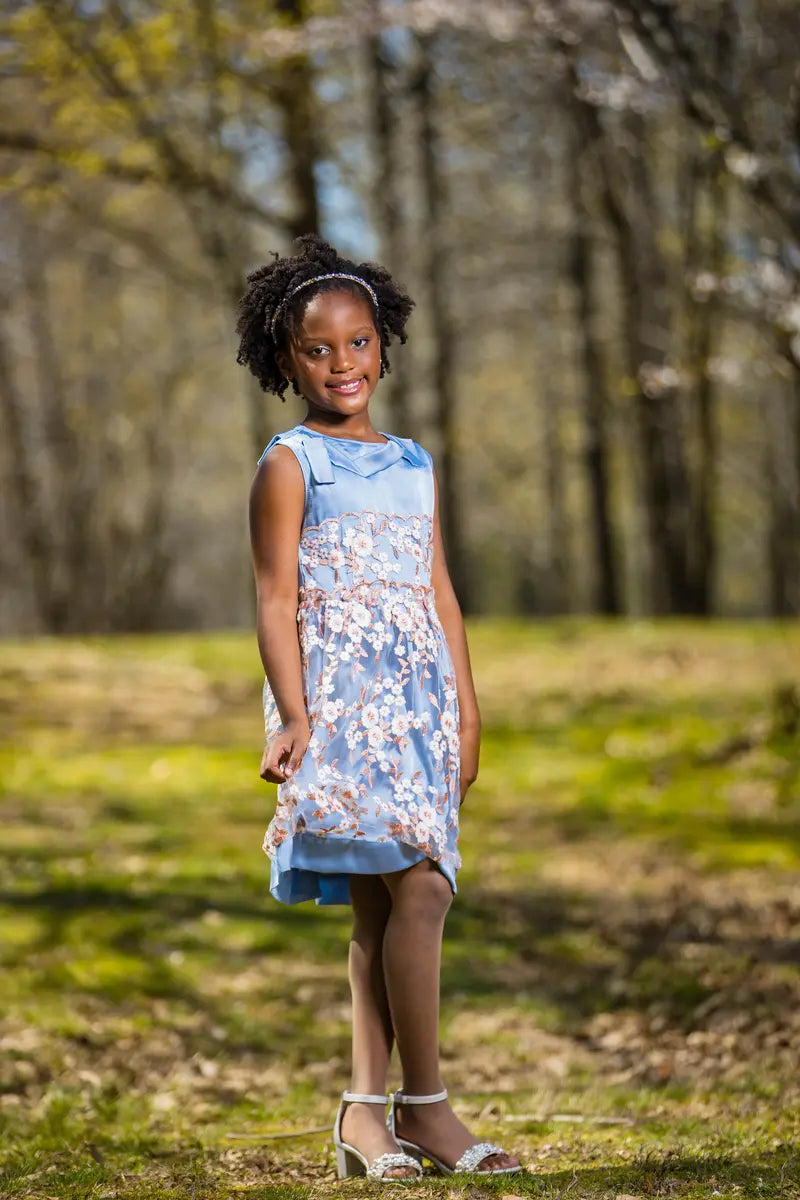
column 266, row 295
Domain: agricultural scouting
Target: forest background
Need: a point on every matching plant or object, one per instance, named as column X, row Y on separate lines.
column 595, row 204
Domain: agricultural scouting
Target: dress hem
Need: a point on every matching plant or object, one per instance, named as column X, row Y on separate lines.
column 302, row 866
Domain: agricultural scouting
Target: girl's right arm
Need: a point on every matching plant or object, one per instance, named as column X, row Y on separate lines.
column 277, row 499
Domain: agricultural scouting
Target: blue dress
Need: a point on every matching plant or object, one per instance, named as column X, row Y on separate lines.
column 378, row 787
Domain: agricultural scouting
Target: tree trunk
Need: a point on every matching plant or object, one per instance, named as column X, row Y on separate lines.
column 557, row 593
column 444, row 332
column 293, row 86
column 630, row 210
column 704, row 253
column 64, row 491
column 35, row 530
column 594, row 399
column 389, row 214
column 783, row 484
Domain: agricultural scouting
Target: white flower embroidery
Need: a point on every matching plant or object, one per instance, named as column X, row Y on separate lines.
column 361, row 615
column 448, row 723
column 370, row 716
column 400, row 724
column 404, row 621
column 373, row 652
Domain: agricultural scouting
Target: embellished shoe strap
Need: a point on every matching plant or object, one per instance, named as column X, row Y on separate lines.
column 363, row 1098
column 475, row 1155
column 386, row 1162
column 402, row 1098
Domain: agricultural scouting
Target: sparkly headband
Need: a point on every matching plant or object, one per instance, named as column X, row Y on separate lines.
column 318, row 279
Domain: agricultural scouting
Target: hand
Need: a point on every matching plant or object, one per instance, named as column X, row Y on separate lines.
column 284, row 752
column 470, row 737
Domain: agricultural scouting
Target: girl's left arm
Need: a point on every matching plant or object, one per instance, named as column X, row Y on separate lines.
column 449, row 611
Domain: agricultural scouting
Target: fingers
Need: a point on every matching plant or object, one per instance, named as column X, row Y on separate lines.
column 296, row 752
column 281, row 759
column 271, row 769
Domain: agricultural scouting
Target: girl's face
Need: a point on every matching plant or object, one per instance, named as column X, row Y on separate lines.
column 335, row 355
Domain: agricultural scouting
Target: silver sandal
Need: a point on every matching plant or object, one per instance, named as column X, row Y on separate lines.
column 350, row 1161
column 469, row 1161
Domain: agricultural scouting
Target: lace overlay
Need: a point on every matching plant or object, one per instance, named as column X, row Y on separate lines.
column 382, row 765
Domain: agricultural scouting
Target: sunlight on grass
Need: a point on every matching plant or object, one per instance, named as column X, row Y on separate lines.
column 620, row 989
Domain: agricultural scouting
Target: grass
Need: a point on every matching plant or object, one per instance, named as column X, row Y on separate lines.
column 621, row 995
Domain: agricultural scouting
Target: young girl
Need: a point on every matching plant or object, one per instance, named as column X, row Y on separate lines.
column 371, row 718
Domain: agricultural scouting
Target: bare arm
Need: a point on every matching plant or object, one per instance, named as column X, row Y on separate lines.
column 277, row 498
column 449, row 612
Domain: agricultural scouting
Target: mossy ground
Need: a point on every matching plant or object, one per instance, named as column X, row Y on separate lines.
column 621, row 994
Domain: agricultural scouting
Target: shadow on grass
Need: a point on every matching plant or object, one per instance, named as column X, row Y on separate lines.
column 179, row 1175
column 559, row 947
column 663, row 1173
column 551, row 945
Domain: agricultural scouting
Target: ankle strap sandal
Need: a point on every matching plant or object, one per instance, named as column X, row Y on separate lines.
column 350, row 1161
column 470, row 1160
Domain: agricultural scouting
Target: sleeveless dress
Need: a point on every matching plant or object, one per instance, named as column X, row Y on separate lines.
column 378, row 787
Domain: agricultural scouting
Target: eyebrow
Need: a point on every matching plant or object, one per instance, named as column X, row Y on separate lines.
column 309, row 337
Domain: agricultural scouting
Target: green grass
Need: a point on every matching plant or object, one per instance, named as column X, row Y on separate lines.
column 621, row 995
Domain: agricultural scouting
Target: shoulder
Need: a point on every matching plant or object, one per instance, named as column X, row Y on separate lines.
column 280, row 465
column 284, row 452
column 282, row 445
column 414, row 452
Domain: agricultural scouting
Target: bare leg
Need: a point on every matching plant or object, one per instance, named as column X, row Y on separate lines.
column 363, row 1125
column 373, row 1035
column 412, row 945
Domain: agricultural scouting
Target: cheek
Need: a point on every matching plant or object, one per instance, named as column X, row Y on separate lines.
column 310, row 366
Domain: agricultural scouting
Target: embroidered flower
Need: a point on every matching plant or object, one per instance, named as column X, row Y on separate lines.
column 375, row 668
column 362, row 544
column 361, row 615
column 448, row 723
column 400, row 724
column 403, row 620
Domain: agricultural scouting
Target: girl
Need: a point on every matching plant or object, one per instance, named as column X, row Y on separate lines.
column 371, row 719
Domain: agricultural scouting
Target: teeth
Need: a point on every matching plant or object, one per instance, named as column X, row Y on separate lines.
column 347, row 387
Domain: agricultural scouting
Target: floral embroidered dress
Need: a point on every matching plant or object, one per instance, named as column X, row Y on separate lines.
column 378, row 787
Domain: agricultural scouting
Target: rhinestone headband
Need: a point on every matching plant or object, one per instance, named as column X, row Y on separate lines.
column 318, row 279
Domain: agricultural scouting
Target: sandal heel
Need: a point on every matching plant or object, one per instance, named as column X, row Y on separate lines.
column 347, row 1164
column 351, row 1162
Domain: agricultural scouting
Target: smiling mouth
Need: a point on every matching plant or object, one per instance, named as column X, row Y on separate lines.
column 347, row 387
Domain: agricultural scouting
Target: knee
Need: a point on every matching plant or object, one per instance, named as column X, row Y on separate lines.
column 425, row 891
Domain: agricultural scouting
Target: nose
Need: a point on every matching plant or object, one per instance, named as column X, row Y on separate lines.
column 341, row 360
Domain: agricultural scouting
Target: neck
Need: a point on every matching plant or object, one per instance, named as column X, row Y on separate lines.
column 357, row 427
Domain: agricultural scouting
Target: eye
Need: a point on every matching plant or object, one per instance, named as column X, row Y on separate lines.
column 318, row 351
column 360, row 342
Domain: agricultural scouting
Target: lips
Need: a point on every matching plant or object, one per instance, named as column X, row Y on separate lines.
column 346, row 387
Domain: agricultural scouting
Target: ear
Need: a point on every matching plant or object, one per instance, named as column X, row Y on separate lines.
column 284, row 364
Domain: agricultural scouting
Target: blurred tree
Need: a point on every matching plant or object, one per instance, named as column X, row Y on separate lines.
column 435, row 206
column 581, row 154
column 595, row 204
column 383, row 73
